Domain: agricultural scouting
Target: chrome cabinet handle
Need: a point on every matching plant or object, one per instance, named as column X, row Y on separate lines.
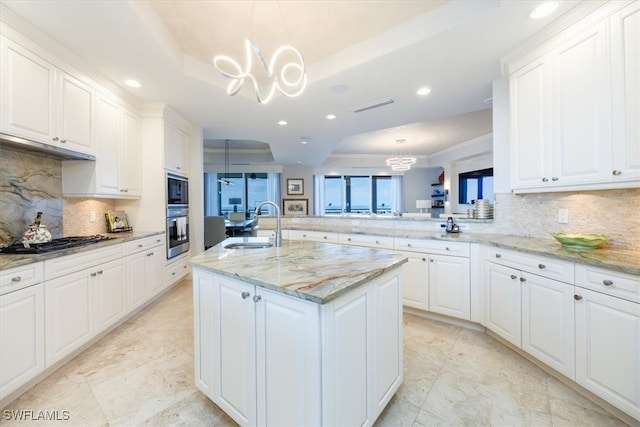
column 150, row 254
column 514, row 277
column 99, row 271
column 408, row 245
column 616, row 172
column 64, row 141
column 545, row 180
column 377, row 242
column 324, row 237
column 522, row 279
column 16, row 279
column 245, row 295
column 542, row 266
column 555, row 178
column 178, row 167
column 607, row 282
column 139, row 245
column 424, row 259
column 498, row 256
column 447, row 248
column 93, row 274
column 577, row 297
column 256, row 298
column 348, row 239
column 55, row 138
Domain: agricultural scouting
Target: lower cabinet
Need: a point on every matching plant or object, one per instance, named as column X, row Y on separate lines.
column 110, row 295
column 144, row 276
column 175, row 271
column 449, row 286
column 21, row 337
column 532, row 312
column 608, row 348
column 415, row 281
column 270, row 359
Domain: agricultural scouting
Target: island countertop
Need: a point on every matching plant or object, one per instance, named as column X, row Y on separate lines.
column 314, row 271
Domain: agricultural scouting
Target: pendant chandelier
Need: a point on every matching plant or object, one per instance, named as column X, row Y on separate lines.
column 290, row 79
column 225, row 180
column 401, row 161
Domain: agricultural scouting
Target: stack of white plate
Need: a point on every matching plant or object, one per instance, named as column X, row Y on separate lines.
column 483, row 209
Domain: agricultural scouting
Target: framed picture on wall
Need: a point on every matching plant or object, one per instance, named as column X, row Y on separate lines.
column 295, row 186
column 295, row 206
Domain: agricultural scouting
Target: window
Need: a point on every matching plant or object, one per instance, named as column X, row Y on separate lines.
column 243, row 195
column 357, row 194
column 475, row 185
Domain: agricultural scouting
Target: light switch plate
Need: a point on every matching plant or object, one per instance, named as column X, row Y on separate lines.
column 563, row 216
column 92, row 216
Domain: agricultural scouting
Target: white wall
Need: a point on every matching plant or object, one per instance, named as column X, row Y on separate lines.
column 417, row 186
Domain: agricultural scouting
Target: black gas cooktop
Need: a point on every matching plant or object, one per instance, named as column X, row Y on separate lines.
column 54, row 245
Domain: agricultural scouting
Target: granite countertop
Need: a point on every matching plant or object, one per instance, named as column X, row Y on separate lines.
column 313, row 271
column 621, row 260
column 10, row 261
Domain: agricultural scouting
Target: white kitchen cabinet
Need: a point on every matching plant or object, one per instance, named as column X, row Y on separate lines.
column 529, row 310
column 176, row 146
column 316, row 236
column 561, row 114
column 144, row 270
column 22, row 354
column 366, row 240
column 625, row 62
column 175, row 270
column 259, row 357
column 43, row 103
column 449, row 286
column 110, row 290
column 116, row 171
column 415, row 281
column 607, row 343
column 68, row 314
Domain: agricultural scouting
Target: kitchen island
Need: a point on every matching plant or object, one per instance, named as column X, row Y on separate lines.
column 308, row 333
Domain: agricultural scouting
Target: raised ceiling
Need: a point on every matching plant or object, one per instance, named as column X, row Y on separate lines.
column 356, row 52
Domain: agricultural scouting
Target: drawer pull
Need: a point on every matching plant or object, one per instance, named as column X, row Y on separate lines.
column 256, row 298
column 408, row 245
column 607, row 282
column 498, row 256
column 577, row 297
column 522, row 279
column 514, row 277
column 150, row 254
column 245, row 295
column 447, row 248
column 542, row 266
column 348, row 239
column 16, row 279
column 424, row 259
column 430, row 259
column 99, row 271
column 377, row 242
column 324, row 237
column 555, row 178
column 545, row 179
column 616, row 172
column 139, row 245
column 93, row 274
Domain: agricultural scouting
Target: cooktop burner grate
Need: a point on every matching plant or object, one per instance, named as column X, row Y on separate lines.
column 54, row 245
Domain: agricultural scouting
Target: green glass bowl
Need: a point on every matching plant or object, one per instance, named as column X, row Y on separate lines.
column 581, row 241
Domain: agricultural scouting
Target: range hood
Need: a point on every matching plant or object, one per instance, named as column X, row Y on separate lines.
column 33, row 147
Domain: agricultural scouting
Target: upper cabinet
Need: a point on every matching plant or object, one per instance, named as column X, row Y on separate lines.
column 575, row 109
column 176, row 144
column 41, row 102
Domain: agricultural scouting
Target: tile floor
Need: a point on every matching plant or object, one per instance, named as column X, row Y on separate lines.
column 142, row 375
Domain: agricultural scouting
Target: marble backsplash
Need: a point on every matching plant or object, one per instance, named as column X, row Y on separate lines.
column 29, row 184
column 33, row 183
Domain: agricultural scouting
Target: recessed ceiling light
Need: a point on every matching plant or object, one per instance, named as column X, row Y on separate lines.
column 544, row 9
column 339, row 88
column 331, row 116
column 283, row 123
column 304, row 142
column 132, row 83
column 423, row 91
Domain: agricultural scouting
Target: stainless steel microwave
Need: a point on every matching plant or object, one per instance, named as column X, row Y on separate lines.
column 177, row 190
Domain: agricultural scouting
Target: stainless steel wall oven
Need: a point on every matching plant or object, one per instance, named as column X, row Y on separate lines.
column 177, row 215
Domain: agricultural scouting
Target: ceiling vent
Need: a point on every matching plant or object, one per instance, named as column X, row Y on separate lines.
column 370, row 105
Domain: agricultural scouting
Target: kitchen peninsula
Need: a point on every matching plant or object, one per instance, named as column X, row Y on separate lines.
column 308, row 333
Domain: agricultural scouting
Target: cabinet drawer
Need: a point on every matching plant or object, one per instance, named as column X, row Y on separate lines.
column 318, row 236
column 21, row 277
column 612, row 283
column 431, row 246
column 542, row 266
column 68, row 264
column 144, row 244
column 370, row 241
column 176, row 271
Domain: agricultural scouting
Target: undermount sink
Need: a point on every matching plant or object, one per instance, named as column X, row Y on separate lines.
column 248, row 245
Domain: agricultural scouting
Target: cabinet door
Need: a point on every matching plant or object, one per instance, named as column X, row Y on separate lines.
column 21, row 337
column 68, row 314
column 548, row 322
column 235, row 346
column 607, row 343
column 107, row 136
column 288, row 354
column 154, row 270
column 181, row 151
column 530, row 128
column 131, row 156
column 136, row 280
column 205, row 317
column 415, row 281
column 625, row 39
column 582, row 109
column 28, row 90
column 502, row 304
column 449, row 286
column 75, row 114
column 110, row 294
